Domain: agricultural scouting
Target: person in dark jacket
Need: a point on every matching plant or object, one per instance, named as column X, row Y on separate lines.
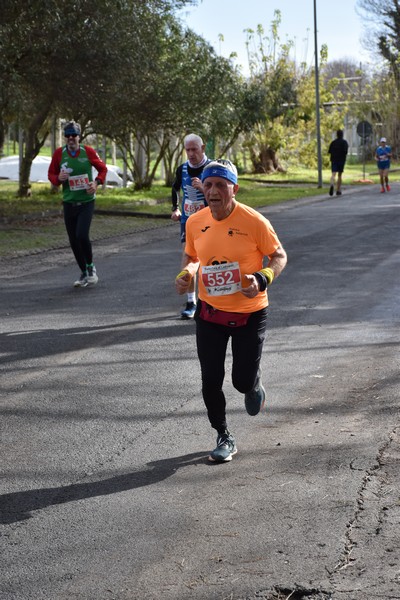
column 338, row 153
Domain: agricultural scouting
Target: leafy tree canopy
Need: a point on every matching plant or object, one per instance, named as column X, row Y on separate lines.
column 60, row 58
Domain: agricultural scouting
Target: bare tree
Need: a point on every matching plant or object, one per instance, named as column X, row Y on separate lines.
column 383, row 30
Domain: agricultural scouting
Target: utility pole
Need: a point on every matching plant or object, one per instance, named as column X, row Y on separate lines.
column 317, row 99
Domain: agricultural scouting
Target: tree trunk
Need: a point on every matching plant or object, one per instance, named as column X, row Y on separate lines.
column 31, row 149
column 2, row 137
column 266, row 161
column 172, row 158
column 25, row 188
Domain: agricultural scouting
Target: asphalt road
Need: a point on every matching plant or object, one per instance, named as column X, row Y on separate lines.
column 106, row 491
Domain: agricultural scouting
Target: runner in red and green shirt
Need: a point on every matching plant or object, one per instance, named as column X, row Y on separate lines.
column 71, row 167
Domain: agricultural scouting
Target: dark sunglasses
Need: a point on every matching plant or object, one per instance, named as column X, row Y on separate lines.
column 223, row 161
column 67, row 135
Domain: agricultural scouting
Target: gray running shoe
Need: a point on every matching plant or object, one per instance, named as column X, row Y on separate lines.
column 226, row 448
column 92, row 278
column 82, row 281
column 188, row 312
column 254, row 400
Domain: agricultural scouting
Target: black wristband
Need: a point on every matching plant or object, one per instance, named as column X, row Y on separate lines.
column 262, row 280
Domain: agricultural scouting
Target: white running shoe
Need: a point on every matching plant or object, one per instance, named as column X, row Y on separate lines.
column 92, row 278
column 82, row 281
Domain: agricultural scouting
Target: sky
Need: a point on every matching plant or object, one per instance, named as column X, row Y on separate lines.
column 338, row 26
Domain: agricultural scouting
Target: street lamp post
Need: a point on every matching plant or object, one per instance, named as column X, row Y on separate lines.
column 317, row 99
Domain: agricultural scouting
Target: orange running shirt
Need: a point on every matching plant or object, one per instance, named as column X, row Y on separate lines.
column 230, row 249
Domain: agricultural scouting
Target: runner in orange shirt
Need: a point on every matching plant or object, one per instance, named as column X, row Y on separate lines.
column 227, row 243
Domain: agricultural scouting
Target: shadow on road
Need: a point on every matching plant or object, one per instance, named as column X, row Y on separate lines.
column 23, row 345
column 18, row 506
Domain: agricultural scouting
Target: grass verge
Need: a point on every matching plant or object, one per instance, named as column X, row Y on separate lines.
column 35, row 224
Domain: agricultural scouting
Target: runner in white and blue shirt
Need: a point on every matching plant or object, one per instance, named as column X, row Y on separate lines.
column 188, row 188
column 383, row 154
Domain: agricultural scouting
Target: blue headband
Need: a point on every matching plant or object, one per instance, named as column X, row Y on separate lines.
column 219, row 172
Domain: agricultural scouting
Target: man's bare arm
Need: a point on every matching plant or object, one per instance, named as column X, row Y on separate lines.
column 277, row 261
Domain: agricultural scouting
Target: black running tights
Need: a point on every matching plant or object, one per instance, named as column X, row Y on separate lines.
column 247, row 344
column 77, row 219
